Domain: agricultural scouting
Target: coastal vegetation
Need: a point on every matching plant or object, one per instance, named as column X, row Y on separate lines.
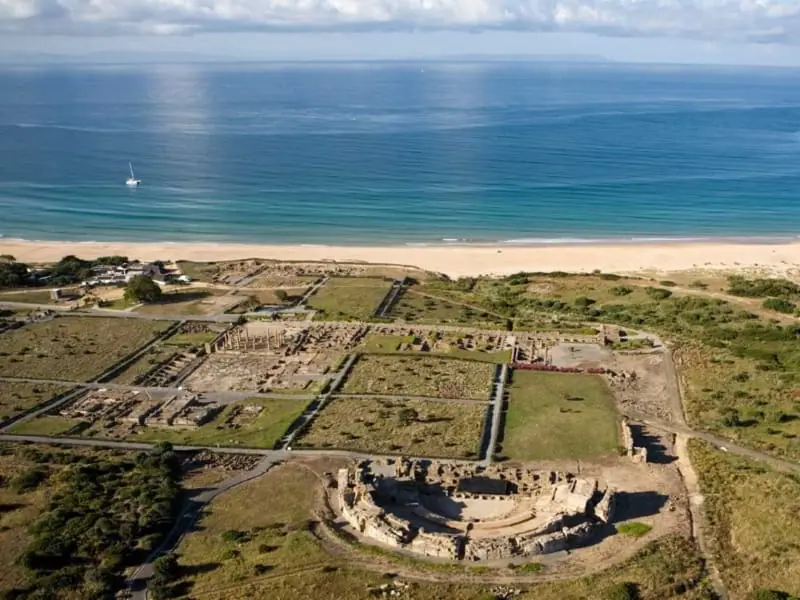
column 67, row 271
column 73, row 521
column 751, row 512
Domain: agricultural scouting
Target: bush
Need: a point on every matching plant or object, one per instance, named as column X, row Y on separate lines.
column 657, row 293
column 621, row 290
column 30, row 479
column 142, row 289
column 234, row 536
column 779, row 305
column 769, row 595
column 762, row 288
column 667, row 283
column 634, row 529
column 621, row 591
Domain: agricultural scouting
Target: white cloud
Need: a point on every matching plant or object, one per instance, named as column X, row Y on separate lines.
column 741, row 20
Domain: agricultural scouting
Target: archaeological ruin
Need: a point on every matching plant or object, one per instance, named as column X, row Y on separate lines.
column 470, row 512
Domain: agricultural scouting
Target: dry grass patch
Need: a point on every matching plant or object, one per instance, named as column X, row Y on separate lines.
column 420, row 376
column 72, row 348
column 189, row 301
column 414, row 427
column 733, row 397
column 413, row 307
column 751, row 512
column 559, row 415
column 349, row 298
column 18, row 397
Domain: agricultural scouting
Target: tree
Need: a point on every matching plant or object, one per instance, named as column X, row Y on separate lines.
column 281, row 295
column 142, row 289
column 13, row 274
column 406, row 416
column 166, row 567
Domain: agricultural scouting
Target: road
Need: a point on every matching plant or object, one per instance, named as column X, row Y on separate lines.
column 187, row 517
column 497, row 413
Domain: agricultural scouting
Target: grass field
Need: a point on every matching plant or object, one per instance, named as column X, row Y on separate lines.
column 239, row 551
column 419, row 376
column 18, row 397
column 72, row 348
column 414, row 427
column 226, row 429
column 156, row 355
column 27, row 296
column 413, row 307
column 45, row 425
column 277, row 280
column 752, row 514
column 729, row 395
column 189, row 301
column 349, row 298
column 17, row 512
column 559, row 415
column 187, row 340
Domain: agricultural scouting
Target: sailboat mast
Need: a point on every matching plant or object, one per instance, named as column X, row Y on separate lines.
column 130, row 165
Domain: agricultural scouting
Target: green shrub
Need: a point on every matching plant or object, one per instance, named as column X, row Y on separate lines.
column 667, row 283
column 621, row 591
column 30, row 479
column 779, row 305
column 621, row 290
column 657, row 293
column 634, row 529
column 769, row 595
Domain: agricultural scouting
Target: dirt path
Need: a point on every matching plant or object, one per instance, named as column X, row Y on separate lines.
column 688, row 474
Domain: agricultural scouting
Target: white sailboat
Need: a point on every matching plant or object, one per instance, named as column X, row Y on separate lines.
column 132, row 181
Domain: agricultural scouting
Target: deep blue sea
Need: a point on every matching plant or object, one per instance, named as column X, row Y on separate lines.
column 398, row 153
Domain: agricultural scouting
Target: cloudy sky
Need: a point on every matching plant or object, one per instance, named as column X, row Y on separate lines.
column 727, row 31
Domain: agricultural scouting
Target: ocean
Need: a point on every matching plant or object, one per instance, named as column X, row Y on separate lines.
column 399, row 153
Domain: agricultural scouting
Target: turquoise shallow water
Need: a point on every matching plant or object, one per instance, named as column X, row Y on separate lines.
column 399, row 153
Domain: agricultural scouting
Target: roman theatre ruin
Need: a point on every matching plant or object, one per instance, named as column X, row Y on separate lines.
column 469, row 512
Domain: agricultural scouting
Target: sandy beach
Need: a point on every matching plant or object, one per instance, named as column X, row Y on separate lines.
column 455, row 261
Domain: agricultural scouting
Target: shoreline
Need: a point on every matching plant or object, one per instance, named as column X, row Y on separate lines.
column 456, row 260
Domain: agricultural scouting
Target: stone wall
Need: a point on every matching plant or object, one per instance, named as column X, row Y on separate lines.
column 637, row 453
column 563, row 510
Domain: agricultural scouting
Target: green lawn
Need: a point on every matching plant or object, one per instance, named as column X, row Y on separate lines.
column 559, row 415
column 263, row 431
column 349, row 299
column 45, row 425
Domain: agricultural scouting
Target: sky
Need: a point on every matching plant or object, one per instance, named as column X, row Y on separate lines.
column 751, row 32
